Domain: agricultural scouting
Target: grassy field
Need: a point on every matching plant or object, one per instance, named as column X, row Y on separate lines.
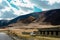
column 18, row 33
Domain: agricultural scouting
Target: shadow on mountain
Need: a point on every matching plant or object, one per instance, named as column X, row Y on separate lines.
column 53, row 17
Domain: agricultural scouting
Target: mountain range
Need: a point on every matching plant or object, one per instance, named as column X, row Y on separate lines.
column 50, row 17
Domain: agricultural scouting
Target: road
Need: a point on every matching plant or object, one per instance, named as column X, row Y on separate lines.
column 4, row 36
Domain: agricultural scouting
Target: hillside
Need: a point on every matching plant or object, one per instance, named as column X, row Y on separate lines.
column 37, row 19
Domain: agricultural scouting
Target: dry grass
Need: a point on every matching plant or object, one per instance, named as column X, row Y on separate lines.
column 18, row 32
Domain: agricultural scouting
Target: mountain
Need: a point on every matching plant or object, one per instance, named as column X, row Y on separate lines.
column 53, row 17
column 50, row 17
column 4, row 22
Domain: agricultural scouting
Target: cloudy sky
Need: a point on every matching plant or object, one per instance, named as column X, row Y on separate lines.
column 10, row 9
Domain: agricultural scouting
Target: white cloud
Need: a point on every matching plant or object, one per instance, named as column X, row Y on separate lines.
column 0, row 13
column 6, row 18
column 51, row 2
column 46, row 4
column 6, row 9
column 44, row 9
column 27, row 6
column 21, row 12
column 19, row 4
column 0, row 1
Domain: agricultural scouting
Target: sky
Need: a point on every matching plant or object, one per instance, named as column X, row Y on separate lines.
column 10, row 9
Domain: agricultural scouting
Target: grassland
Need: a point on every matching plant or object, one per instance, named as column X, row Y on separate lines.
column 18, row 33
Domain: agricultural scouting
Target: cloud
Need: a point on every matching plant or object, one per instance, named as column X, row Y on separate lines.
column 53, row 1
column 8, row 14
column 6, row 11
column 0, row 1
column 6, row 18
column 3, row 4
column 0, row 14
column 24, row 7
column 46, row 4
column 14, row 8
column 29, row 6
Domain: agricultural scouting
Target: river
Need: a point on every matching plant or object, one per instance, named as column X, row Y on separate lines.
column 4, row 36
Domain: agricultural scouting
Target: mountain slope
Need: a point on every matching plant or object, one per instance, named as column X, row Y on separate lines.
column 51, row 17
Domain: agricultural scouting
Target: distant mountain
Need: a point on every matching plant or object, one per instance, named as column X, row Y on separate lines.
column 51, row 17
column 4, row 22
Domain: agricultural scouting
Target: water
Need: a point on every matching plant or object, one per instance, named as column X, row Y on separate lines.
column 4, row 36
